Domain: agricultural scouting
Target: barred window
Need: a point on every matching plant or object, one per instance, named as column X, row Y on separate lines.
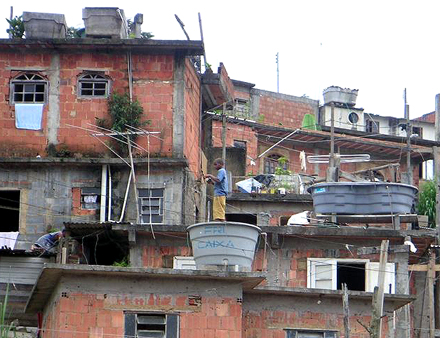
column 151, row 205
column 93, row 85
column 154, row 325
column 29, row 88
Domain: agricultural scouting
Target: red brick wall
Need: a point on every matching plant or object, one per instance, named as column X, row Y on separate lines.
column 80, row 315
column 272, row 324
column 192, row 118
column 240, row 133
column 153, row 87
column 278, row 112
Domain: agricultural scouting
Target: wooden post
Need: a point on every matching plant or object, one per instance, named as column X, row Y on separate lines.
column 134, row 182
column 430, row 276
column 376, row 325
column 224, row 134
column 346, row 311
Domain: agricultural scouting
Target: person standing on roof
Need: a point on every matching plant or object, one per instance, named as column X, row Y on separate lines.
column 220, row 190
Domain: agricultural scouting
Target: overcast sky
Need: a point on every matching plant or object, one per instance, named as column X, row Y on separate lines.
column 378, row 47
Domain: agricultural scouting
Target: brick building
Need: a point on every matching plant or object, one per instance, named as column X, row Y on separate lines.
column 62, row 176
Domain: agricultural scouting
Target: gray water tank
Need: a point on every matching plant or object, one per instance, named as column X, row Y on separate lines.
column 224, row 245
column 363, row 198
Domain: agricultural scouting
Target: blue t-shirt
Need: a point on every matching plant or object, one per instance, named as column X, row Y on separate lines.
column 221, row 188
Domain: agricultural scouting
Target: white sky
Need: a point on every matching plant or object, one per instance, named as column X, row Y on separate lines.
column 379, row 47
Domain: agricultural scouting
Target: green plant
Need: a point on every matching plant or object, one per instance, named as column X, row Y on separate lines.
column 75, row 33
column 427, row 201
column 124, row 263
column 5, row 329
column 16, row 27
column 282, row 171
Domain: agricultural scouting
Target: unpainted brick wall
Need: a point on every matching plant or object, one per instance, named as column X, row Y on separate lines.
column 153, row 87
column 81, row 315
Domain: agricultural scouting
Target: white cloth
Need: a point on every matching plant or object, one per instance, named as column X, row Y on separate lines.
column 302, row 158
column 8, row 239
column 28, row 116
column 90, row 198
column 299, row 219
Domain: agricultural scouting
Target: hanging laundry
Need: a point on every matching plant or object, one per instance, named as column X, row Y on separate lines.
column 28, row 116
column 302, row 158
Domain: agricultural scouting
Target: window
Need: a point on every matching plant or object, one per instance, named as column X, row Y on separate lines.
column 93, row 85
column 184, row 262
column 372, row 126
column 418, row 131
column 272, row 162
column 358, row 274
column 353, row 118
column 151, row 205
column 90, row 198
column 311, row 334
column 28, row 88
column 151, row 325
column 10, row 210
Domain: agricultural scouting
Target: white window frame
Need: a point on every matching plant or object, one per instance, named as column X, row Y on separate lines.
column 28, row 78
column 184, row 263
column 93, row 79
column 371, row 273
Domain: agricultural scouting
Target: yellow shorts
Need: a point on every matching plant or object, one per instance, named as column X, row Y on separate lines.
column 219, row 208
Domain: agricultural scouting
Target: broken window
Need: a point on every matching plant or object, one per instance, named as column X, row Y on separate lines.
column 151, row 325
column 372, row 126
column 358, row 274
column 28, row 88
column 311, row 334
column 9, row 210
column 151, row 205
column 90, row 198
column 93, row 85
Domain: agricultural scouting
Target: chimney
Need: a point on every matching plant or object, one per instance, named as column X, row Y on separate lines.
column 138, row 21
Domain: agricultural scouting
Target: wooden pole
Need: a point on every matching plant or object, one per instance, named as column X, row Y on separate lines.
column 376, row 325
column 134, row 181
column 224, row 134
column 430, row 283
column 346, row 310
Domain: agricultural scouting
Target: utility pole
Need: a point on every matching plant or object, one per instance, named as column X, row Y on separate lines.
column 278, row 72
column 409, row 174
column 430, row 277
column 376, row 321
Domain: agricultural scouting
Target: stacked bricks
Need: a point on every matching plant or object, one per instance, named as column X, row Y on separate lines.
column 80, row 315
column 272, row 324
column 154, row 256
column 284, row 113
column 192, row 119
column 153, row 88
column 239, row 133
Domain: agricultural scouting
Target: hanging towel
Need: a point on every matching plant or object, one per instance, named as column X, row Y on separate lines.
column 28, row 116
column 8, row 239
column 302, row 158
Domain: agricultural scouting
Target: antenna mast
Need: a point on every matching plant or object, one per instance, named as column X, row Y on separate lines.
column 278, row 72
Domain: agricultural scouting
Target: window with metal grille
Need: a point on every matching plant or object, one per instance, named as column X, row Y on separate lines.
column 93, row 85
column 311, row 334
column 152, row 325
column 28, row 88
column 151, row 205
